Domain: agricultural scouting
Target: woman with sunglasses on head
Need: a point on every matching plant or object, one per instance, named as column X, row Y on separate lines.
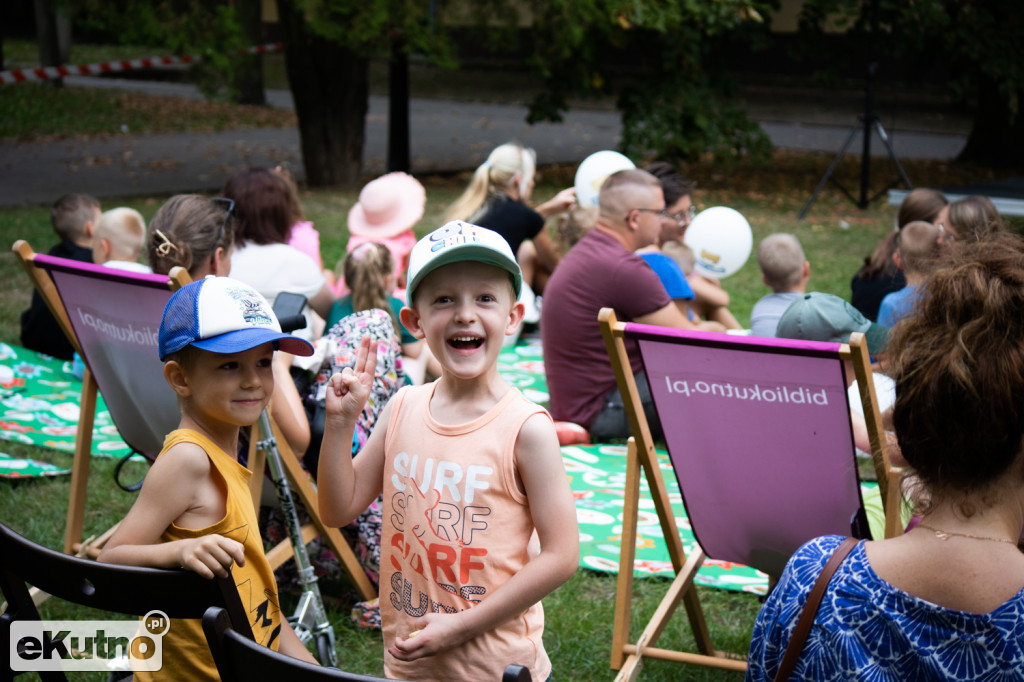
column 699, row 297
column 193, row 232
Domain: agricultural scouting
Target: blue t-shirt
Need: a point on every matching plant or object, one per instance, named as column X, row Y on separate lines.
column 670, row 274
column 867, row 629
column 897, row 305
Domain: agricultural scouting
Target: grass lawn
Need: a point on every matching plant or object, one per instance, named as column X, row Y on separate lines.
column 836, row 237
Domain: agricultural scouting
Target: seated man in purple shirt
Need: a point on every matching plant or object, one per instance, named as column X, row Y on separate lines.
column 601, row 271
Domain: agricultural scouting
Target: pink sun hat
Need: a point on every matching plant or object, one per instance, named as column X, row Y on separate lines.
column 387, row 206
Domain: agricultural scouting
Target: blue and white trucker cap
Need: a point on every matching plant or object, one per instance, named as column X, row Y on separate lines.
column 461, row 241
column 222, row 315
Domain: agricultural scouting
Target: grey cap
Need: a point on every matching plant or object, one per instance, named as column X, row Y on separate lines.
column 824, row 317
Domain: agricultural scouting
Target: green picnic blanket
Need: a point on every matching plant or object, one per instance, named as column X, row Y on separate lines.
column 39, row 404
column 597, row 476
column 14, row 468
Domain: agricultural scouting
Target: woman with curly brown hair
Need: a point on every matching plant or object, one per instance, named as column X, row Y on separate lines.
column 946, row 599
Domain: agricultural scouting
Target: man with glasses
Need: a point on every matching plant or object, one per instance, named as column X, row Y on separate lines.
column 600, row 271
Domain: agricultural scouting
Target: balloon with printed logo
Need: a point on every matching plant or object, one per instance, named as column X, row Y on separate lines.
column 594, row 170
column 721, row 241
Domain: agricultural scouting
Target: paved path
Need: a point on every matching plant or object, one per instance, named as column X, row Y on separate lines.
column 445, row 136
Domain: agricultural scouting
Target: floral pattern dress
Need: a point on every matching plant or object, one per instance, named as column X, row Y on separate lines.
column 866, row 629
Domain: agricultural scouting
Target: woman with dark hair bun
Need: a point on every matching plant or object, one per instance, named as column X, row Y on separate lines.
column 879, row 275
column 945, row 600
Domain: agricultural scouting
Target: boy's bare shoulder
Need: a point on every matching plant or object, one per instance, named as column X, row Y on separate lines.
column 185, row 460
column 537, row 436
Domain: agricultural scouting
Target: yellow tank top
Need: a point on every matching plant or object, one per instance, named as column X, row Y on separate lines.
column 186, row 655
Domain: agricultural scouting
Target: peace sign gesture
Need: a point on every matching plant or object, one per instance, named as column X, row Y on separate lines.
column 348, row 390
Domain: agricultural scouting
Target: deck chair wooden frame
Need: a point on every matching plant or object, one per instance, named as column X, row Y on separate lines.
column 627, row 656
column 35, row 267
column 131, row 590
column 240, row 660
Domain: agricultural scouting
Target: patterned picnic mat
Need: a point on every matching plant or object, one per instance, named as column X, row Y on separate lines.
column 39, row 404
column 15, row 467
column 39, row 400
column 597, row 476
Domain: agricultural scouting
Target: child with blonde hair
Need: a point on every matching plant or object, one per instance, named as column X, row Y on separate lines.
column 368, row 271
column 918, row 248
column 783, row 269
column 118, row 238
column 470, row 471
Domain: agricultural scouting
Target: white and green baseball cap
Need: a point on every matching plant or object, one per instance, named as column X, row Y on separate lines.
column 461, row 241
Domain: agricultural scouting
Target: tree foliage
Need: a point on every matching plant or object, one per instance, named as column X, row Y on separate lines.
column 181, row 27
column 662, row 59
column 976, row 44
column 657, row 56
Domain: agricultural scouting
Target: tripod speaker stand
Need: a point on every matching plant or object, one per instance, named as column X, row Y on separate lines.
column 867, row 123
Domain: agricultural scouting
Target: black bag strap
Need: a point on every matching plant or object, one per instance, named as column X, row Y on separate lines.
column 810, row 610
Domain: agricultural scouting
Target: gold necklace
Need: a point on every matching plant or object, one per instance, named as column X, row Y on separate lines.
column 945, row 535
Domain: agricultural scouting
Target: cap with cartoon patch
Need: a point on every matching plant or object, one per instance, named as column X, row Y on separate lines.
column 222, row 315
column 461, row 241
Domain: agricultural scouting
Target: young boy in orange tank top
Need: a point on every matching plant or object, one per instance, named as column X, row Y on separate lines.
column 471, row 474
column 217, row 340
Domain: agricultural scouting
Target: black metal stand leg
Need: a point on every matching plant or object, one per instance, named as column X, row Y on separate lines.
column 828, row 174
column 866, row 123
column 892, row 153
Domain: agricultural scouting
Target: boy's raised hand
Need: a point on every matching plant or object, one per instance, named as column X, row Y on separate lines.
column 348, row 390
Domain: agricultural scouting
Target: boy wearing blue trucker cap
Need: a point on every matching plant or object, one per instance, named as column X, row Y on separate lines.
column 469, row 471
column 217, row 340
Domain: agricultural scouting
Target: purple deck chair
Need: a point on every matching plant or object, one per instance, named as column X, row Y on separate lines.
column 112, row 318
column 759, row 438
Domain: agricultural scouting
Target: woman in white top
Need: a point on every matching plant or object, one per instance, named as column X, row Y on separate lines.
column 263, row 259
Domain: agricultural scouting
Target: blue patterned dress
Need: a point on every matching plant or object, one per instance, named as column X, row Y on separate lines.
column 867, row 629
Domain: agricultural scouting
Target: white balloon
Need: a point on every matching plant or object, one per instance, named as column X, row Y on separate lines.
column 594, row 170
column 721, row 241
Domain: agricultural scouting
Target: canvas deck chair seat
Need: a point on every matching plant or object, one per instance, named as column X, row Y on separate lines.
column 112, row 318
column 759, row 438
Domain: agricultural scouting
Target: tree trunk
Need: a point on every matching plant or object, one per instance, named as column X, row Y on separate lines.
column 398, row 109
column 249, row 78
column 330, row 86
column 53, row 31
column 997, row 135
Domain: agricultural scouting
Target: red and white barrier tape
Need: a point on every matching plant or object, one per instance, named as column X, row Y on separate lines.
column 45, row 73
